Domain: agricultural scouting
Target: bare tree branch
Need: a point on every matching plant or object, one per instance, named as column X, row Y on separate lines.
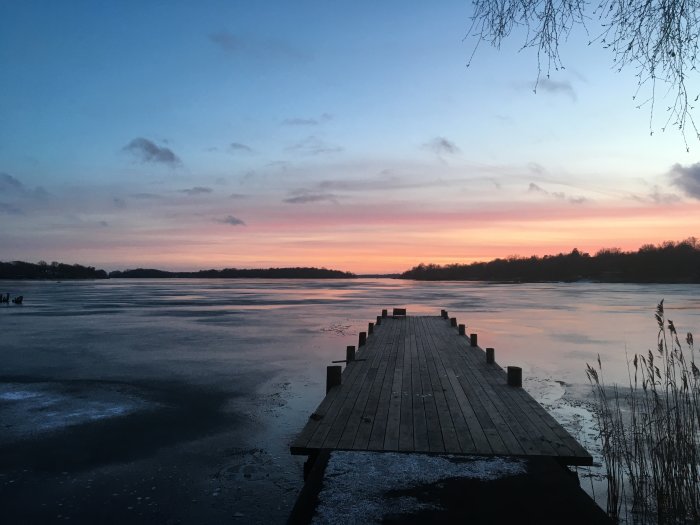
column 658, row 38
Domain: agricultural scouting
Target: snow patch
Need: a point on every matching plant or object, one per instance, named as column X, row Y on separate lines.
column 355, row 483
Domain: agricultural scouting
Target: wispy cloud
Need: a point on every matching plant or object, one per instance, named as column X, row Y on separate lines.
column 10, row 209
column 237, row 196
column 119, row 203
column 559, row 195
column 235, row 45
column 687, row 178
column 197, row 190
column 232, row 221
column 237, row 147
column 442, row 146
column 148, row 151
column 534, row 188
column 313, row 145
column 556, row 87
column 8, row 183
column 145, row 196
column 227, row 41
column 298, row 121
column 304, row 197
column 660, row 197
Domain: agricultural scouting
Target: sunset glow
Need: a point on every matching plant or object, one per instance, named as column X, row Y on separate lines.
column 303, row 135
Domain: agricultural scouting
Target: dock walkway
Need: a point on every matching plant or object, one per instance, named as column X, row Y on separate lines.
column 417, row 385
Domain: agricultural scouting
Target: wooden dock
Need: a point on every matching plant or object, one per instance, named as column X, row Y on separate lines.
column 420, row 384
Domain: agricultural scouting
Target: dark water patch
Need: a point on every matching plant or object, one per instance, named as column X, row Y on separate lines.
column 174, row 412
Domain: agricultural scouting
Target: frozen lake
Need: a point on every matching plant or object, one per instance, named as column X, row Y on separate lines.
column 155, row 400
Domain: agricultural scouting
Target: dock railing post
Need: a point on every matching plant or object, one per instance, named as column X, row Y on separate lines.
column 370, row 328
column 490, row 356
column 462, row 329
column 385, row 313
column 515, row 376
column 363, row 339
column 333, row 376
column 453, row 321
column 473, row 340
column 350, row 354
column 444, row 314
column 379, row 320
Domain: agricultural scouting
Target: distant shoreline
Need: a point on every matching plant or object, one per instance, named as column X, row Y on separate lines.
column 20, row 270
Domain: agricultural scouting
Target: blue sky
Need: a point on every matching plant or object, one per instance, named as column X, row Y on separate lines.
column 260, row 133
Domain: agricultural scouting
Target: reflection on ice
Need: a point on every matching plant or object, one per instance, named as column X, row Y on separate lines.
column 28, row 409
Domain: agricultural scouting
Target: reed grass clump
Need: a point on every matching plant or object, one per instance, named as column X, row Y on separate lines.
column 649, row 432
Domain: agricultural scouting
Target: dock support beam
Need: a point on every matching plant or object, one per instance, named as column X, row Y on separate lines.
column 515, row 376
column 462, row 329
column 333, row 376
column 350, row 354
column 473, row 340
column 490, row 356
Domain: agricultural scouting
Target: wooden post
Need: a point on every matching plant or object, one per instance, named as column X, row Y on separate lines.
column 472, row 339
column 515, row 376
column 333, row 376
column 370, row 329
column 462, row 329
column 350, row 354
column 444, row 314
column 385, row 313
column 379, row 320
column 490, row 356
column 453, row 321
column 363, row 339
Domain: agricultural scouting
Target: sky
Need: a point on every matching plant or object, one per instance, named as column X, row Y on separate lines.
column 348, row 135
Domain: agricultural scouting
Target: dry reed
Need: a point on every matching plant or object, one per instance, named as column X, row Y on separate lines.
column 649, row 435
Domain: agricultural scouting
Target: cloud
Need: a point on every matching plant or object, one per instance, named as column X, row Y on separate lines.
column 257, row 48
column 145, row 196
column 559, row 195
column 9, row 183
column 231, row 220
column 197, row 190
column 660, row 197
column 119, row 203
column 534, row 188
column 227, row 41
column 441, row 145
column 237, row 196
column 325, row 117
column 237, row 147
column 687, row 179
column 10, row 209
column 304, row 197
column 556, row 87
column 148, row 151
column 312, row 145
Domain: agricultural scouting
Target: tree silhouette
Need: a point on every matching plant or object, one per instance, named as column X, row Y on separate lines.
column 657, row 37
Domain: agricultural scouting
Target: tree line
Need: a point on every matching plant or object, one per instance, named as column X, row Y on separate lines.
column 668, row 262
column 235, row 273
column 43, row 270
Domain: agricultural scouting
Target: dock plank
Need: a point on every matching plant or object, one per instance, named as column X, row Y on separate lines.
column 420, row 387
